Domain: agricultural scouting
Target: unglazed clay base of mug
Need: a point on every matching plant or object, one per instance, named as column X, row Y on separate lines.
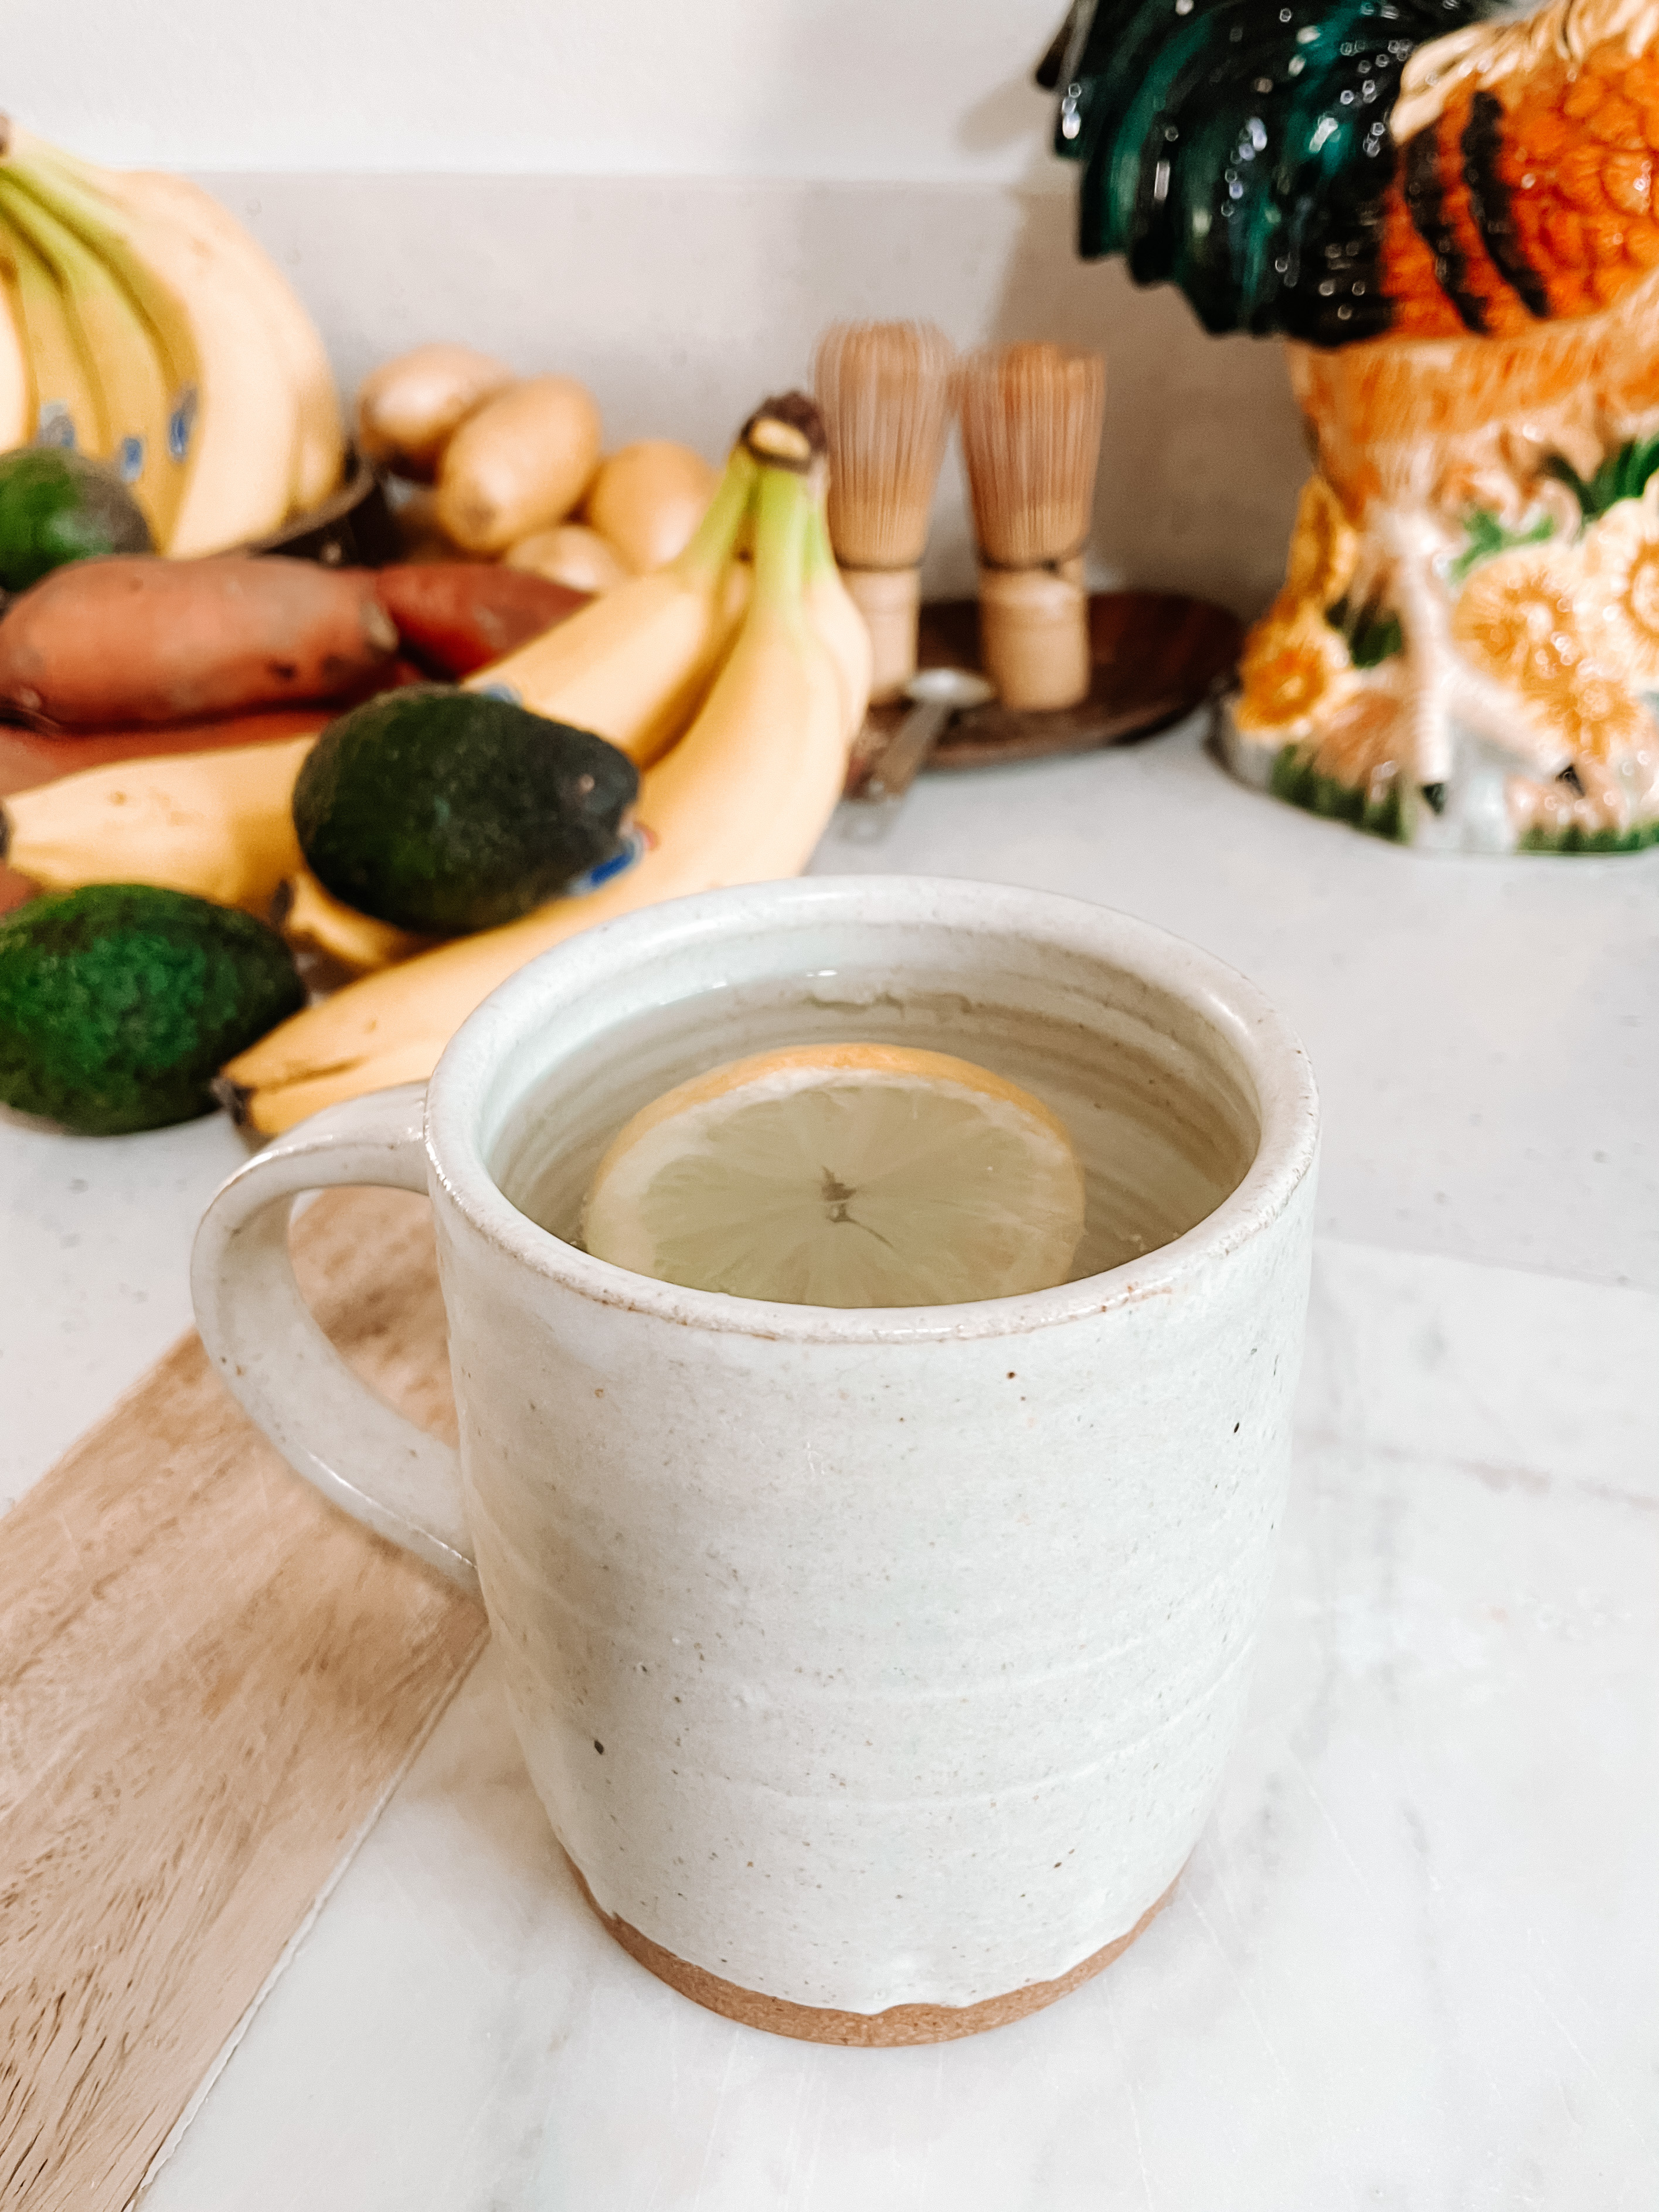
column 900, row 2024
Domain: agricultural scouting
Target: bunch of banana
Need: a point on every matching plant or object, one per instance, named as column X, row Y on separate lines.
column 742, row 797
column 143, row 326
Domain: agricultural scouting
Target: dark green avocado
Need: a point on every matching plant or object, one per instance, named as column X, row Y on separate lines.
column 57, row 506
column 118, row 1003
column 444, row 810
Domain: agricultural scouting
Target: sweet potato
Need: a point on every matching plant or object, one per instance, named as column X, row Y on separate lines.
column 455, row 617
column 136, row 639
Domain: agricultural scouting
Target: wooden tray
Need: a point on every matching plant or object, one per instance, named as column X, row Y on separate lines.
column 1157, row 655
column 210, row 1681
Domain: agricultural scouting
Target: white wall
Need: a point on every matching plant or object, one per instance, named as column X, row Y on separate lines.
column 801, row 88
column 682, row 302
column 670, row 198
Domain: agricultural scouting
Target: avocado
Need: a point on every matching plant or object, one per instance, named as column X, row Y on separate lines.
column 444, row 810
column 57, row 506
column 120, row 1002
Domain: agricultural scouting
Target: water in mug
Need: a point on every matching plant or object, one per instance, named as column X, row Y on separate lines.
column 1163, row 1137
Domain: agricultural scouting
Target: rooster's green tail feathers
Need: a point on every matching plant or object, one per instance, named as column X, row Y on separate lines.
column 1241, row 151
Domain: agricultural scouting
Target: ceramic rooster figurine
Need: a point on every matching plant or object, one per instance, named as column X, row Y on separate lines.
column 1449, row 212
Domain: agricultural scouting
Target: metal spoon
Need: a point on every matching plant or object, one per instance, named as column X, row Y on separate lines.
column 937, row 696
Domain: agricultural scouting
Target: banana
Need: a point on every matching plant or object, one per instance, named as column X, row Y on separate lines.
column 219, row 824
column 151, row 194
column 633, row 664
column 17, row 406
column 743, row 797
column 121, row 353
column 313, row 921
column 234, row 414
column 60, row 407
column 834, row 615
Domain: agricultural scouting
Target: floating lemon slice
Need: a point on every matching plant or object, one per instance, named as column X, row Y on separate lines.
column 847, row 1175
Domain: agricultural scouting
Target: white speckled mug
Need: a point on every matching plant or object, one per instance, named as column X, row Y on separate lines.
column 877, row 1668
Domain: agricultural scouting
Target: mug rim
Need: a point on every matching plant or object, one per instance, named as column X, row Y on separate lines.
column 1226, row 1002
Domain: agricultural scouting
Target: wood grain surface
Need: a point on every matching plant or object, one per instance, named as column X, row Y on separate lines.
column 1157, row 656
column 209, row 1681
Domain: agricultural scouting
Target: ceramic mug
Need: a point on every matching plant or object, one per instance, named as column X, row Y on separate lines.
column 876, row 1667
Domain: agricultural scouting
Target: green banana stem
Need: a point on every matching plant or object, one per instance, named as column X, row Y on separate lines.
column 27, row 156
column 27, row 278
column 714, row 539
column 784, row 506
column 80, row 207
column 62, row 194
column 59, row 250
column 820, row 554
column 25, row 149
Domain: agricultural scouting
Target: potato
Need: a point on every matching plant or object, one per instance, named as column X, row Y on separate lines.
column 409, row 408
column 570, row 553
column 138, row 639
column 649, row 498
column 519, row 464
column 417, row 516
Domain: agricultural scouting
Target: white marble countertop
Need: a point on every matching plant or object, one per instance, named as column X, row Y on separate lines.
column 1412, row 1963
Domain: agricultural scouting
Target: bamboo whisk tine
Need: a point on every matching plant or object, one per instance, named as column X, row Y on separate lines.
column 886, row 390
column 1031, row 419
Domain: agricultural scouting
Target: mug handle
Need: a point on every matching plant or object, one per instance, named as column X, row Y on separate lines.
column 273, row 1358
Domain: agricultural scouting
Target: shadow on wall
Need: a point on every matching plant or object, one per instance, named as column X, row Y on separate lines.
column 1203, row 455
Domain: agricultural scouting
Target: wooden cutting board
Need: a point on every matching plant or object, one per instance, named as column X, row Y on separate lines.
column 210, row 1682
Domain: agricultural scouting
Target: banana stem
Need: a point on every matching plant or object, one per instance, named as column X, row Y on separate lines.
column 784, row 508
column 81, row 209
column 19, row 147
column 58, row 248
column 715, row 538
column 75, row 203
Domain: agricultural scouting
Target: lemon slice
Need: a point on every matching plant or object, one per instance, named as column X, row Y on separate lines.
column 846, row 1174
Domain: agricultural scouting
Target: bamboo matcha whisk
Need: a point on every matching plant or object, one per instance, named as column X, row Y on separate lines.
column 885, row 390
column 1030, row 433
